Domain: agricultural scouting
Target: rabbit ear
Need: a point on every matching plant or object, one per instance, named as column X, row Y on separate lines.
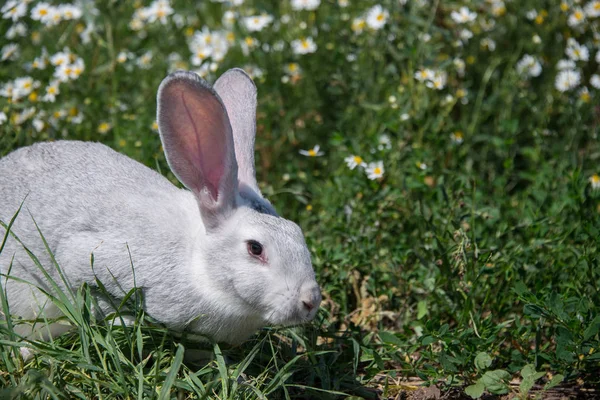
column 238, row 93
column 198, row 143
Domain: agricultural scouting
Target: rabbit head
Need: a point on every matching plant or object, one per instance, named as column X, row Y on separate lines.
column 255, row 259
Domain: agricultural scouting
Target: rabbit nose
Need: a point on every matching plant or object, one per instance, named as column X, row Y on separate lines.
column 310, row 296
column 308, row 305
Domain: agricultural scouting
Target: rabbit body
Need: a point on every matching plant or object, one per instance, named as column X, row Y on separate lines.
column 193, row 261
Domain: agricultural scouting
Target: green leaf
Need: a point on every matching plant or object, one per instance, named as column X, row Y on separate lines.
column 165, row 391
column 422, row 309
column 592, row 329
column 496, row 382
column 476, row 390
column 556, row 380
column 390, row 338
column 482, row 361
column 427, row 340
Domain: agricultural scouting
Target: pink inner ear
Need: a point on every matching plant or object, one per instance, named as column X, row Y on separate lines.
column 204, row 139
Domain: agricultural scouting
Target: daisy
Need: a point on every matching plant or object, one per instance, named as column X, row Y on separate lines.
column 463, row 15
column 566, row 80
column 69, row 12
column 457, row 137
column 257, row 23
column 3, row 117
column 305, row 4
column 424, row 74
column 304, row 46
column 528, row 65
column 595, row 181
column 104, row 127
column 565, row 64
column 60, row 58
column 592, row 9
column 576, row 18
column 145, row 60
column 438, row 82
column 375, row 170
column 41, row 12
column 159, row 11
column 228, row 19
column 595, row 81
column 354, row 161
column 9, row 52
column 358, row 25
column 314, row 152
column 51, row 91
column 576, row 51
column 18, row 10
column 18, row 29
column 377, row 17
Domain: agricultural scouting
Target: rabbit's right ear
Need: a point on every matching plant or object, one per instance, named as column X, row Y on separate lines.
column 238, row 93
column 198, row 143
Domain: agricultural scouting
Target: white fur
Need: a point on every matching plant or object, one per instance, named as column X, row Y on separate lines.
column 88, row 199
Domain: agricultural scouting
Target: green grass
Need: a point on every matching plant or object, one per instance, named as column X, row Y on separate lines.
column 467, row 265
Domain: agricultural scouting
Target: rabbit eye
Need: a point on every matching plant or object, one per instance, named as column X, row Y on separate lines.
column 255, row 248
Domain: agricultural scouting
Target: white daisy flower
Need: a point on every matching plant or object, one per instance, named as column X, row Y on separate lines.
column 595, row 182
column 375, row 170
column 3, row 117
column 576, row 17
column 463, row 15
column 304, row 46
column 595, row 81
column 17, row 10
column 354, row 161
column 530, row 66
column 10, row 52
column 52, row 90
column 576, row 51
column 314, row 152
column 257, row 23
column 18, row 29
column 377, row 17
column 565, row 64
column 567, row 80
column 305, row 4
column 424, row 74
column 592, row 9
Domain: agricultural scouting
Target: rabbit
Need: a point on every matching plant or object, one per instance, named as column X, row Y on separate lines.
column 213, row 258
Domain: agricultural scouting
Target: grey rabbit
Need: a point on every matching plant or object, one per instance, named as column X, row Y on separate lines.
column 213, row 259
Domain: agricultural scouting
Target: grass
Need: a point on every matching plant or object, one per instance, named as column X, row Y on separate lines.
column 471, row 265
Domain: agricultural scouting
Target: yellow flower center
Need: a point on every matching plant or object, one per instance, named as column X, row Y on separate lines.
column 292, row 67
column 312, row 153
column 161, row 13
column 27, row 85
column 377, row 171
column 43, row 12
column 596, row 6
column 33, row 97
column 564, row 6
column 578, row 15
column 539, row 20
column 249, row 41
column 51, row 90
column 256, row 21
column 595, row 178
column 380, row 17
column 305, row 44
column 358, row 159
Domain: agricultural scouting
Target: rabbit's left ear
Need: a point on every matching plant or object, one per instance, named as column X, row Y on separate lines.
column 238, row 93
